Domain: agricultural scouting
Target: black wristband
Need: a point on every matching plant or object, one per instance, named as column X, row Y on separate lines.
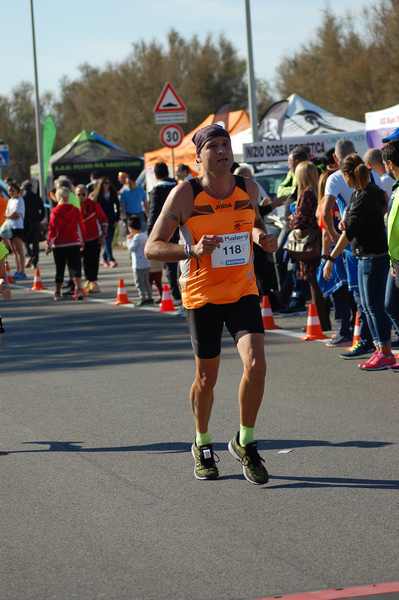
column 328, row 257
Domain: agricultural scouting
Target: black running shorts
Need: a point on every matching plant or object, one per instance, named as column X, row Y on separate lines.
column 206, row 324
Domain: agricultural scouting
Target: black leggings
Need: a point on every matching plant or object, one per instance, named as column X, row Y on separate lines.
column 67, row 255
column 91, row 259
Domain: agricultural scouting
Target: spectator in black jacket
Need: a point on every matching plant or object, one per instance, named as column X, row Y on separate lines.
column 107, row 196
column 158, row 195
column 365, row 228
column 34, row 215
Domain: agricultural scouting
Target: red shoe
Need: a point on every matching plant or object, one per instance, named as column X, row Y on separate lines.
column 378, row 362
column 78, row 295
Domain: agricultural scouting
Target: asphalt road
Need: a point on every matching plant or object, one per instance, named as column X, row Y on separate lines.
column 98, row 498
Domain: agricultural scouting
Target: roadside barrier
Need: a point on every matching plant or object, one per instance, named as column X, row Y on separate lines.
column 37, row 282
column 313, row 327
column 267, row 315
column 121, row 294
column 166, row 301
column 356, row 331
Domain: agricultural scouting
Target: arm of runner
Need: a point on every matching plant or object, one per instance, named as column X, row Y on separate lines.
column 175, row 211
column 267, row 242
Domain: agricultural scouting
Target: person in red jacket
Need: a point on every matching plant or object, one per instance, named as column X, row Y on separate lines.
column 95, row 224
column 65, row 239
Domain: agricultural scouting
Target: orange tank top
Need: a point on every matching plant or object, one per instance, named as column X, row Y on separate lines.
column 228, row 274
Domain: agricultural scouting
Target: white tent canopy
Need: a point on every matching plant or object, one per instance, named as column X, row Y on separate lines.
column 300, row 121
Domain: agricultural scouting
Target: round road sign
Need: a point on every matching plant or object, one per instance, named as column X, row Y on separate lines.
column 171, row 135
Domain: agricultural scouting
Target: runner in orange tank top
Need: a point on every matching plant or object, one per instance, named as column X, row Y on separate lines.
column 218, row 219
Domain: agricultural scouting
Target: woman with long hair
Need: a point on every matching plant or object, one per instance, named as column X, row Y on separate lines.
column 365, row 228
column 15, row 213
column 107, row 197
column 307, row 177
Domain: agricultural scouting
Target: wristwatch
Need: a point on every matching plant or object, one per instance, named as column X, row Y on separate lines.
column 188, row 251
column 328, row 257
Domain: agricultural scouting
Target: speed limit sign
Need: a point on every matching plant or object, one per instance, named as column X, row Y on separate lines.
column 171, row 135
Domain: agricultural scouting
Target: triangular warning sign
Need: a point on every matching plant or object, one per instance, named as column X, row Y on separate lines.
column 169, row 101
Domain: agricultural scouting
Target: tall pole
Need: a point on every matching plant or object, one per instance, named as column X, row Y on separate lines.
column 37, row 109
column 253, row 113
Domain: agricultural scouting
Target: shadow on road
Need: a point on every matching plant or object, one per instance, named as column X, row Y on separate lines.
column 323, row 482
column 178, row 447
column 43, row 341
column 43, row 338
column 293, row 482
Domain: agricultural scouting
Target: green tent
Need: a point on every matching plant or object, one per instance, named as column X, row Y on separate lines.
column 89, row 152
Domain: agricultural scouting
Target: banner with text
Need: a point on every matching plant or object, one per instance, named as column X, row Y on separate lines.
column 278, row 150
column 381, row 123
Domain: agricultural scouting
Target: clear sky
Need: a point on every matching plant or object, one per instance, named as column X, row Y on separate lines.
column 97, row 31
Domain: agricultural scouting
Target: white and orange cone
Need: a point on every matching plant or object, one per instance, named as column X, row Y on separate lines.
column 121, row 294
column 166, row 301
column 313, row 327
column 37, row 282
column 356, row 331
column 267, row 315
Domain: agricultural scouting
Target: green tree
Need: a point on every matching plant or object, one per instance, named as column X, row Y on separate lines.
column 334, row 69
column 17, row 128
column 118, row 99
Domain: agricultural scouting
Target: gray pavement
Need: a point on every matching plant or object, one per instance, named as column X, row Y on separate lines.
column 97, row 493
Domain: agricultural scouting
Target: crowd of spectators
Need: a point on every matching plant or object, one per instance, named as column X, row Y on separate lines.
column 345, row 208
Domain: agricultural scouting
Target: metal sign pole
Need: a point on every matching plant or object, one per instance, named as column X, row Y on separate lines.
column 173, row 163
column 37, row 110
column 251, row 76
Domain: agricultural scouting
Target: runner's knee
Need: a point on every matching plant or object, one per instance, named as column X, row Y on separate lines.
column 255, row 367
column 205, row 381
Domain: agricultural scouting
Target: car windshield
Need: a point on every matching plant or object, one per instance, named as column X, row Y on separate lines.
column 270, row 181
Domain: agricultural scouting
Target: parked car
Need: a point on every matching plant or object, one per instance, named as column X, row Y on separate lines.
column 271, row 178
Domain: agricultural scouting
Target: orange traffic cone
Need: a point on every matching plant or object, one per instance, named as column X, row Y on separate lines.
column 166, row 302
column 313, row 327
column 356, row 331
column 10, row 278
column 37, row 282
column 267, row 314
column 121, row 294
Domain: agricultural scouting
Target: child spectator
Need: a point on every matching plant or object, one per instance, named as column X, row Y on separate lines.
column 136, row 240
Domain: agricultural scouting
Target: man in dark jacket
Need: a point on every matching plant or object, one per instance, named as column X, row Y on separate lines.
column 34, row 214
column 158, row 195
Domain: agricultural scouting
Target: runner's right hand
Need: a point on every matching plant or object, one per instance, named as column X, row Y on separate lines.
column 207, row 245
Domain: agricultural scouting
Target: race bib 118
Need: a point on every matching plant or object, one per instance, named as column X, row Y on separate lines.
column 233, row 251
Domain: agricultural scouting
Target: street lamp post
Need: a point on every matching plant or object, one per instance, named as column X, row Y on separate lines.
column 253, row 113
column 37, row 108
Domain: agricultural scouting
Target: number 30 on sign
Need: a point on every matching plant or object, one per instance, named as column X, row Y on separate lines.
column 171, row 135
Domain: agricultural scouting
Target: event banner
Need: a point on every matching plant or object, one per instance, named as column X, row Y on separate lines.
column 381, row 123
column 272, row 151
column 49, row 132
